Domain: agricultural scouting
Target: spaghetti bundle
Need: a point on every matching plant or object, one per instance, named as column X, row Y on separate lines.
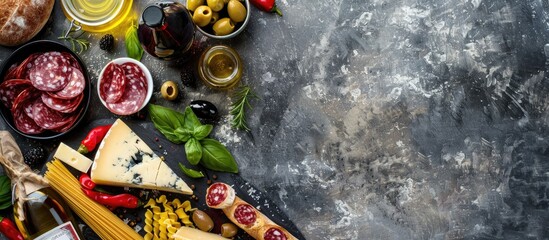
column 98, row 217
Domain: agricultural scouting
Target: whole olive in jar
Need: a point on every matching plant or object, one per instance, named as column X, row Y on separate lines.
column 204, row 109
column 223, row 26
column 237, row 11
column 202, row 221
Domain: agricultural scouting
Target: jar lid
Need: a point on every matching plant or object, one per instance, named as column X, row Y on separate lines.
column 220, row 67
column 153, row 16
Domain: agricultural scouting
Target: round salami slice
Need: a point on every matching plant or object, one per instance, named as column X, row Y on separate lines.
column 220, row 195
column 245, row 214
column 274, row 233
column 72, row 61
column 70, row 122
column 62, row 105
column 23, row 69
column 10, row 89
column 28, row 107
column 26, row 96
column 134, row 96
column 11, row 72
column 112, row 84
column 76, row 85
column 50, row 72
column 24, row 123
column 47, row 118
column 132, row 70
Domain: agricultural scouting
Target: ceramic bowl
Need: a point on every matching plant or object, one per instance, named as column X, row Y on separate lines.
column 207, row 31
column 145, row 70
column 21, row 54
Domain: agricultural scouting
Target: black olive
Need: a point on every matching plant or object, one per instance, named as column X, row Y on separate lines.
column 204, row 109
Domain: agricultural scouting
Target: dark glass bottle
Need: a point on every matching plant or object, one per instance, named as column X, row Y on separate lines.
column 166, row 30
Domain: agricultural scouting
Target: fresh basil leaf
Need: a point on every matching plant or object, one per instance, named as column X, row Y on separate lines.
column 216, row 157
column 5, row 205
column 167, row 121
column 183, row 134
column 193, row 151
column 191, row 172
column 133, row 47
column 5, row 192
column 191, row 120
column 202, row 132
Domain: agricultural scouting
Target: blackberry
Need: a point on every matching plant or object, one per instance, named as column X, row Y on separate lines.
column 187, row 78
column 107, row 42
column 35, row 157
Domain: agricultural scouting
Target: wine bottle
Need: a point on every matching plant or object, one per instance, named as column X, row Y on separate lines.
column 47, row 217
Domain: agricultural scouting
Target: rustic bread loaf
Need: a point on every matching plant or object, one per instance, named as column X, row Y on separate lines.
column 21, row 20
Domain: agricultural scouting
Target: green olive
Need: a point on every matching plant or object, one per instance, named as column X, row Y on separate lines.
column 193, row 4
column 215, row 17
column 169, row 90
column 228, row 230
column 237, row 11
column 226, row 1
column 202, row 221
column 202, row 16
column 216, row 5
column 223, row 26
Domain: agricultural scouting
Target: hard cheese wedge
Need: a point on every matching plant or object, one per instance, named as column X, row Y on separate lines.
column 72, row 158
column 187, row 233
column 123, row 159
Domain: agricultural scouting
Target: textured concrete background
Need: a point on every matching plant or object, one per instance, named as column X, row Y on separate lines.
column 404, row 119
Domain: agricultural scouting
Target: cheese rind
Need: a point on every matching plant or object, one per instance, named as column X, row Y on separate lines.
column 72, row 158
column 124, row 159
column 187, row 233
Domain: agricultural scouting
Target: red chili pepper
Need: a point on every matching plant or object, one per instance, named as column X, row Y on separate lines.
column 267, row 6
column 94, row 137
column 86, row 181
column 8, row 228
column 125, row 200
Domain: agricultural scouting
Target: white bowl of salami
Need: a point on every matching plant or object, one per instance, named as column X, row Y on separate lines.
column 44, row 90
column 125, row 86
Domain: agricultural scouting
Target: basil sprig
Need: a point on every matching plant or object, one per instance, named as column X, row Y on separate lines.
column 186, row 128
column 133, row 47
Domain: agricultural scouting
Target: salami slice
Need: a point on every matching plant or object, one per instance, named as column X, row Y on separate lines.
column 134, row 96
column 220, row 195
column 24, row 123
column 245, row 214
column 50, row 72
column 29, row 94
column 132, row 70
column 70, row 122
column 10, row 89
column 112, row 83
column 62, row 105
column 23, row 69
column 72, row 61
column 274, row 233
column 47, row 118
column 11, row 72
column 76, row 85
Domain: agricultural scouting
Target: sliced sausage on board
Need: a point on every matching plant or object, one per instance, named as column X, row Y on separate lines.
column 245, row 214
column 10, row 89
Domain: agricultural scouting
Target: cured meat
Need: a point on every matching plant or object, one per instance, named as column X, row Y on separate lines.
column 47, row 118
column 274, row 233
column 70, row 122
column 132, row 70
column 62, row 105
column 23, row 69
column 10, row 89
column 24, row 123
column 51, row 72
column 29, row 94
column 76, row 85
column 72, row 61
column 220, row 195
column 134, row 96
column 11, row 72
column 112, row 83
column 245, row 214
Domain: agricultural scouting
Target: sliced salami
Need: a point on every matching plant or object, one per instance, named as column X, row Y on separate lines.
column 132, row 70
column 29, row 94
column 50, row 72
column 62, row 105
column 245, row 214
column 70, row 122
column 47, row 118
column 10, row 89
column 76, row 85
column 134, row 96
column 72, row 61
column 24, row 123
column 274, row 233
column 220, row 195
column 113, row 83
column 23, row 69
column 11, row 72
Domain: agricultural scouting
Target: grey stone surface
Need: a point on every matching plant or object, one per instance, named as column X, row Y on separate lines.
column 422, row 119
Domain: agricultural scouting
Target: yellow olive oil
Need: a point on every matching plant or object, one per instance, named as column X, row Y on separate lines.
column 220, row 67
column 97, row 15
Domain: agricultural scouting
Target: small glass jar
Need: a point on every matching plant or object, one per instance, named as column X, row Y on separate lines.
column 220, row 67
column 97, row 15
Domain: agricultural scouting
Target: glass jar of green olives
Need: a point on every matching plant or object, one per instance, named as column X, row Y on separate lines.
column 220, row 67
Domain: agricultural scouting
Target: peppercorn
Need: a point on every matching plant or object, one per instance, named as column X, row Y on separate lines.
column 214, row 176
column 192, row 186
column 187, row 78
column 132, row 223
column 209, row 182
column 35, row 157
column 107, row 42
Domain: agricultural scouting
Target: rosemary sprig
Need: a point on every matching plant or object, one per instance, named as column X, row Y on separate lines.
column 238, row 108
column 77, row 42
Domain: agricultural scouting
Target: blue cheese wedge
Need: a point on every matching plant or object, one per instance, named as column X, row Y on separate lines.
column 123, row 159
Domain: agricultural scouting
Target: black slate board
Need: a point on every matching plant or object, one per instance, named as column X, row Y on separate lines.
column 173, row 154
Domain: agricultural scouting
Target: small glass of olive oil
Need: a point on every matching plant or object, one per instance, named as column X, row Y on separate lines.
column 220, row 67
